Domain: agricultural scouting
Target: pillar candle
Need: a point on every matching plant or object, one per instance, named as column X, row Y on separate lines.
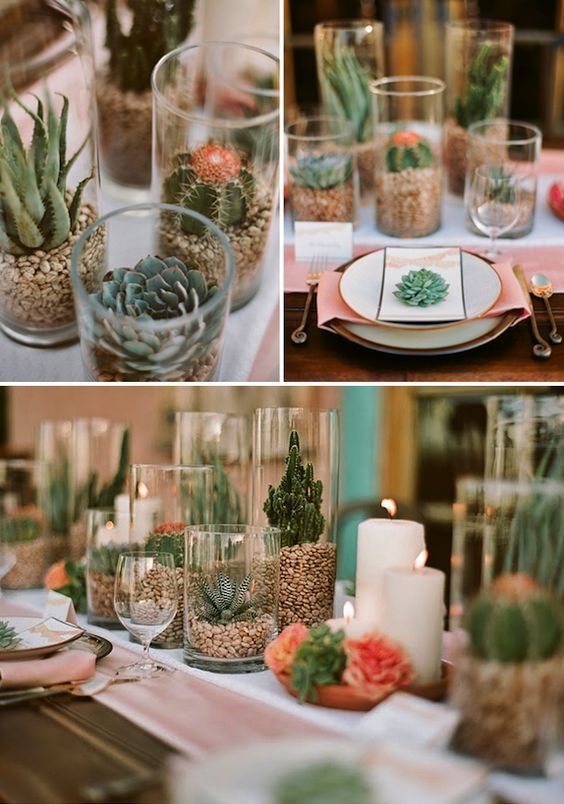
column 413, row 616
column 382, row 543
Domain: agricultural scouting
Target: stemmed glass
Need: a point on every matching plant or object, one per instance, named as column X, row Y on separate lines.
column 494, row 203
column 145, row 600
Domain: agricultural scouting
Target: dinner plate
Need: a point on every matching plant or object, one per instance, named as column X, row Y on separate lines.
column 39, row 636
column 361, row 282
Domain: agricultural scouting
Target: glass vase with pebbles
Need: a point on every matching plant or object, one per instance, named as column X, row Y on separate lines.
column 297, row 449
column 216, row 153
column 107, row 537
column 48, row 183
column 231, row 596
column 164, row 499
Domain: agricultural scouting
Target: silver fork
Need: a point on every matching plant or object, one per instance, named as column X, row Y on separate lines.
column 317, row 267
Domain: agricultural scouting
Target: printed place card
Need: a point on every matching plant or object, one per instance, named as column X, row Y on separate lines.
column 422, row 285
column 60, row 606
column 333, row 240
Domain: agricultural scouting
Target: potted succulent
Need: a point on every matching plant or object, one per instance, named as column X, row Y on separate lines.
column 23, row 530
column 138, row 34
column 322, row 188
column 307, row 564
column 511, row 673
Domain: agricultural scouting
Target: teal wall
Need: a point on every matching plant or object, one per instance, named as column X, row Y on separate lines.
column 359, row 468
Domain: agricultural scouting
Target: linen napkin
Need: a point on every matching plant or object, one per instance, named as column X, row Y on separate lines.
column 330, row 305
column 71, row 665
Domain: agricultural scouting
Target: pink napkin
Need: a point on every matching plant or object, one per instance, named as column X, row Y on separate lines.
column 330, row 304
column 68, row 665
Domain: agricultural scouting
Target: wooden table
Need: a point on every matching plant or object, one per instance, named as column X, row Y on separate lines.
column 329, row 358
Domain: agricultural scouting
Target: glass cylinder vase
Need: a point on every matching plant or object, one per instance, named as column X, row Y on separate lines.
column 479, row 56
column 53, row 450
column 408, row 143
column 163, row 500
column 231, row 598
column 49, row 193
column 215, row 149
column 299, row 447
column 107, row 537
column 349, row 55
column 221, row 440
column 149, row 318
column 321, row 169
column 514, row 148
column 23, row 525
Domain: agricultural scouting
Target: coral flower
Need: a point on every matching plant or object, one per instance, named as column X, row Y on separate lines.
column 406, row 138
column 279, row 655
column 376, row 665
column 56, row 576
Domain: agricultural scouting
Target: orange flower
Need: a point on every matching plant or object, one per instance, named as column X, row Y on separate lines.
column 405, row 138
column 279, row 655
column 376, row 665
column 56, row 576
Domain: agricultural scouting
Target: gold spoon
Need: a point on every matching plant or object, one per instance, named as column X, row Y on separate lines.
column 541, row 286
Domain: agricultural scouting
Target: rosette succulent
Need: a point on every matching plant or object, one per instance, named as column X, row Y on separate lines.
column 407, row 149
column 322, row 171
column 213, row 181
column 36, row 211
column 8, row 636
column 225, row 601
column 421, row 288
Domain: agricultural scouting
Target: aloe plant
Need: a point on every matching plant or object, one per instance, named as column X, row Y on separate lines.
column 345, row 84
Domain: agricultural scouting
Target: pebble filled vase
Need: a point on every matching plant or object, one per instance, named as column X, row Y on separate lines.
column 215, row 151
column 107, row 537
column 49, row 194
column 298, row 448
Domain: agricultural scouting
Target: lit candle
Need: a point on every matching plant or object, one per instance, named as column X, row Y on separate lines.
column 146, row 513
column 413, row 614
column 383, row 543
column 353, row 627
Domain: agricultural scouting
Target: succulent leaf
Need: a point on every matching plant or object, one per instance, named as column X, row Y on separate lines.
column 225, row 601
column 8, row 636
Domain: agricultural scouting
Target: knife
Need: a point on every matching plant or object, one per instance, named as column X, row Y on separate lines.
column 541, row 348
column 32, row 694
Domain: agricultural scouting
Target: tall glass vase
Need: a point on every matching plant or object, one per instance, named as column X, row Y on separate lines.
column 50, row 193
column 300, row 445
column 222, row 440
column 107, row 537
column 53, row 450
column 163, row 501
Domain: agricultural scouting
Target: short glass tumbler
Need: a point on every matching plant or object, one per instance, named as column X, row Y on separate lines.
column 216, row 151
column 231, row 596
column 150, row 310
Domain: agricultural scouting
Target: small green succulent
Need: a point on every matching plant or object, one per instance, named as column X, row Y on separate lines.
column 421, row 288
column 36, row 212
column 322, row 171
column 225, row 601
column 104, row 560
column 8, row 637
column 20, row 526
column 324, row 783
column 319, row 660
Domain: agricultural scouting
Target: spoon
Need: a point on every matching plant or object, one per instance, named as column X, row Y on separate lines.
column 541, row 286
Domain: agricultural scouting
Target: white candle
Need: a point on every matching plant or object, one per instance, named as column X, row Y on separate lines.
column 382, row 543
column 146, row 513
column 353, row 627
column 413, row 616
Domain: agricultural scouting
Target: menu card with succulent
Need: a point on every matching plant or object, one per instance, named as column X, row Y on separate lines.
column 422, row 284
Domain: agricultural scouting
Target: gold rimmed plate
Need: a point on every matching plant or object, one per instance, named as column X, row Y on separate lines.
column 39, row 636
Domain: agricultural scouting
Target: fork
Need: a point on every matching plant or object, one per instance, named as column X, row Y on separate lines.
column 317, row 267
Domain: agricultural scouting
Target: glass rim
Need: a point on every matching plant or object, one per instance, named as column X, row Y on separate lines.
column 297, row 409
column 161, row 324
column 348, row 129
column 484, row 172
column 224, row 529
column 481, row 25
column 21, row 463
column 178, row 414
column 170, row 466
column 144, row 554
column 349, row 24
column 537, row 133
column 248, row 122
column 380, row 86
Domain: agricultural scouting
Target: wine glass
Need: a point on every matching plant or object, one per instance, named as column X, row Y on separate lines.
column 494, row 203
column 145, row 600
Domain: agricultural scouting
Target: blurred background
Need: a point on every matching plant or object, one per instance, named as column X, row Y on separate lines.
column 414, row 40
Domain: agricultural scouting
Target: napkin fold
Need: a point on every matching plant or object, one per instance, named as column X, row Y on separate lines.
column 69, row 665
column 330, row 305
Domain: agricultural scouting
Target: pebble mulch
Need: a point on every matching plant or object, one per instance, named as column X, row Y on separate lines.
column 408, row 204
column 307, row 583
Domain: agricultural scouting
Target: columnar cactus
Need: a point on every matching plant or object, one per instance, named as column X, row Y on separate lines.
column 406, row 149
column 486, row 84
column 212, row 181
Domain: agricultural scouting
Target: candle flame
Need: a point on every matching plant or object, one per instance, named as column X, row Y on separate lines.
column 109, row 524
column 142, row 490
column 421, row 560
column 390, row 506
column 348, row 611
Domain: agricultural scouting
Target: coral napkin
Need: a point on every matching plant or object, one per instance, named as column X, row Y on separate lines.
column 330, row 304
column 68, row 665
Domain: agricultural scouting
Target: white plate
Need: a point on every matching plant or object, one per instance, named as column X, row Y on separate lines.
column 360, row 285
column 39, row 636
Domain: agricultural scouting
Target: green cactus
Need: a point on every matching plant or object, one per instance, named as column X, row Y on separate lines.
column 8, row 636
column 212, row 181
column 225, row 601
column 168, row 538
column 408, row 150
column 36, row 211
column 104, row 560
column 421, row 288
column 295, row 506
column 319, row 660
column 323, row 171
column 483, row 98
column 157, row 27
column 511, row 630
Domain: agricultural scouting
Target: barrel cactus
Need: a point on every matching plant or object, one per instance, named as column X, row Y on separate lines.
column 406, row 149
column 322, row 171
column 213, row 181
column 36, row 211
column 421, row 288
